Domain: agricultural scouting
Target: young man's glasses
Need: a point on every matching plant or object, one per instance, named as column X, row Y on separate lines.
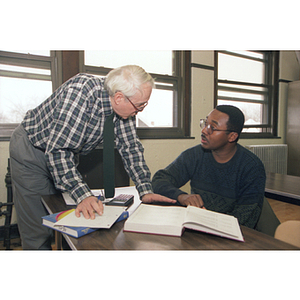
column 210, row 128
column 140, row 108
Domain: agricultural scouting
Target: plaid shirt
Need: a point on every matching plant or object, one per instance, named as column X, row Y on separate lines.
column 71, row 122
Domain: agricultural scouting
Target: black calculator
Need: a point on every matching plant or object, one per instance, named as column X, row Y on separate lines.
column 121, row 200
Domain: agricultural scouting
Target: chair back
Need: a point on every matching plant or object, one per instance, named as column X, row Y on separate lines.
column 289, row 232
column 267, row 222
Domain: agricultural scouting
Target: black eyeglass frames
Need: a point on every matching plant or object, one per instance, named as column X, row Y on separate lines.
column 210, row 128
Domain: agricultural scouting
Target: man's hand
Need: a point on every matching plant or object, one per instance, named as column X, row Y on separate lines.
column 193, row 200
column 151, row 198
column 88, row 207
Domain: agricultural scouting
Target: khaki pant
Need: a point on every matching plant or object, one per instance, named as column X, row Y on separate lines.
column 30, row 179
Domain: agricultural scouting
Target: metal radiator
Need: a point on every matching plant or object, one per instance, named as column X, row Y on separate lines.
column 274, row 157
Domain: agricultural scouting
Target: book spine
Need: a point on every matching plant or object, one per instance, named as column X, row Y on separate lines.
column 64, row 229
column 85, row 231
column 123, row 216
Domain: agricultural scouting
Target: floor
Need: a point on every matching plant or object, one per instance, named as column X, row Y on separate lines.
column 15, row 244
column 284, row 212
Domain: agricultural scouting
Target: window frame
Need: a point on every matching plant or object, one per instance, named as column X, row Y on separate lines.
column 30, row 61
column 181, row 85
column 270, row 126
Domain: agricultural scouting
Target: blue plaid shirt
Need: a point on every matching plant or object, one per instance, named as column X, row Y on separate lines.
column 71, row 122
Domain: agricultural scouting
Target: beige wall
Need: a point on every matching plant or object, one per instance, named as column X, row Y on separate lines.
column 159, row 153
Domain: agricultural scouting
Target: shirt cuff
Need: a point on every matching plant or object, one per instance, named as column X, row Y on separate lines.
column 80, row 192
column 175, row 196
column 144, row 188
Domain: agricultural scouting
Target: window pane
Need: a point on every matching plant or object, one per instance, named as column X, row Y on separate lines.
column 240, row 69
column 17, row 96
column 248, row 96
column 34, row 52
column 250, row 54
column 25, row 69
column 159, row 111
column 247, row 79
column 159, row 62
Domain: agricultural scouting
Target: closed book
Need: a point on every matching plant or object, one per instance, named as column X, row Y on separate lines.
column 76, row 232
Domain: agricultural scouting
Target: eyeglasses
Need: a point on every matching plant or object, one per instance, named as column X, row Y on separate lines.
column 210, row 129
column 140, row 108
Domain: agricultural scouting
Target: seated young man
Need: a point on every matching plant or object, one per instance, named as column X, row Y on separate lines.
column 224, row 176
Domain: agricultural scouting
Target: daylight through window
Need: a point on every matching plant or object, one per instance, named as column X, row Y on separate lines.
column 247, row 79
column 163, row 115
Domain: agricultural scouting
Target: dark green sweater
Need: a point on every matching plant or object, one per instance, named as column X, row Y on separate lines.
column 235, row 188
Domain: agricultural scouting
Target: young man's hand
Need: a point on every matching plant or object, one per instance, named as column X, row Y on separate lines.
column 192, row 199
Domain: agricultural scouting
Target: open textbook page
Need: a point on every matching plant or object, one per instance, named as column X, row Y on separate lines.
column 212, row 222
column 155, row 219
column 171, row 220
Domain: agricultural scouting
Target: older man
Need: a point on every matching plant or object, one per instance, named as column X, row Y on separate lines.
column 43, row 148
column 224, row 176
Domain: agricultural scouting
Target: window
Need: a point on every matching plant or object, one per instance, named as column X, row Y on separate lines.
column 26, row 79
column 249, row 80
column 167, row 115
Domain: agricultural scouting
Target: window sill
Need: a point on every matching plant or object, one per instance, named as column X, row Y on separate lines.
column 7, row 130
column 258, row 136
column 167, row 138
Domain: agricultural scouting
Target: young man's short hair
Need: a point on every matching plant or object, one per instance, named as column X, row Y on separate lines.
column 236, row 117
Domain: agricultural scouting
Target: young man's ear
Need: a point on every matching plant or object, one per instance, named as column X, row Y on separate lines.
column 232, row 137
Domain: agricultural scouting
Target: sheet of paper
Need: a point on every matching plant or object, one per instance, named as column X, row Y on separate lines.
column 110, row 215
column 68, row 199
column 118, row 191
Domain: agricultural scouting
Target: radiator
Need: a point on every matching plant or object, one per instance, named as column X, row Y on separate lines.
column 274, row 157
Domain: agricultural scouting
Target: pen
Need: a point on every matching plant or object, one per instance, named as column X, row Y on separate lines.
column 101, row 196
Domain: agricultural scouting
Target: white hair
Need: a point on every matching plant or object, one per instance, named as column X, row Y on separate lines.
column 127, row 79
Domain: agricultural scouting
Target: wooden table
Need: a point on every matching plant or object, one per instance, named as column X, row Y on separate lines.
column 283, row 187
column 116, row 239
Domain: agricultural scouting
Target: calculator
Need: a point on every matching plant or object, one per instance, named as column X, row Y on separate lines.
column 121, row 200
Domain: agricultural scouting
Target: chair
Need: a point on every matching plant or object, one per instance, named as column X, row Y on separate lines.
column 289, row 232
column 8, row 212
column 267, row 222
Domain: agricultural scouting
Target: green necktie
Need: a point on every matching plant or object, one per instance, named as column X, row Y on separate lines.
column 109, row 157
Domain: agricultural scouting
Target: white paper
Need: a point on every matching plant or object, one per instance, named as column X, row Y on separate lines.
column 131, row 190
column 109, row 216
column 68, row 199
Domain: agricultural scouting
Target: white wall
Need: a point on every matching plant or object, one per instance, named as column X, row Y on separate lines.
column 159, row 153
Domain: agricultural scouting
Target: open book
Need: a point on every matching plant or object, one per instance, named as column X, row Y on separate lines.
column 171, row 220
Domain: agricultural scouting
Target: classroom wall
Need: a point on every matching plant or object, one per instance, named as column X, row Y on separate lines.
column 159, row 153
